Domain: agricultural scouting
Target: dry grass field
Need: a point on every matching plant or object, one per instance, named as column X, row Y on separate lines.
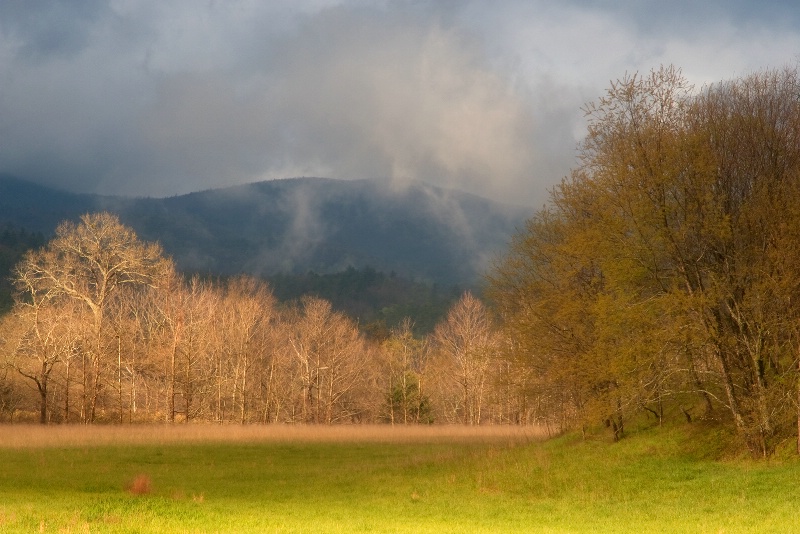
column 32, row 436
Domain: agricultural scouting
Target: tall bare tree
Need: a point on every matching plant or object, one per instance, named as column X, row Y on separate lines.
column 467, row 342
column 88, row 262
column 329, row 356
column 246, row 319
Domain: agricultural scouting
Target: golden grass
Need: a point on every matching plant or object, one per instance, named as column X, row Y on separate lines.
column 21, row 436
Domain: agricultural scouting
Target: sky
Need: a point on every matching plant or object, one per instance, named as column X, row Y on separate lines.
column 165, row 97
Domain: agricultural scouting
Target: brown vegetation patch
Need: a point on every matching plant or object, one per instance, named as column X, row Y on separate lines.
column 30, row 436
column 140, row 485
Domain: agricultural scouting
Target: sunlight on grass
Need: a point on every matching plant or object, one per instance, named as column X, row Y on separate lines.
column 386, row 480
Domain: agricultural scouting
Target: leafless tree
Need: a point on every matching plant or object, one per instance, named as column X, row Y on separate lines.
column 246, row 320
column 88, row 263
column 466, row 343
column 329, row 356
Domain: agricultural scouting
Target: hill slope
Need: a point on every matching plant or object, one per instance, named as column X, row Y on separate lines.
column 297, row 225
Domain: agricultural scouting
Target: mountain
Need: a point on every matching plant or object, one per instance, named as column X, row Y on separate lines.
column 297, row 225
column 14, row 242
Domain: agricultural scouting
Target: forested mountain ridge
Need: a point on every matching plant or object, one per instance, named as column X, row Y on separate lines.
column 377, row 300
column 13, row 244
column 297, row 225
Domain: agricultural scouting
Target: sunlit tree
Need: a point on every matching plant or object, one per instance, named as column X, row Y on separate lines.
column 665, row 269
column 87, row 264
column 466, row 344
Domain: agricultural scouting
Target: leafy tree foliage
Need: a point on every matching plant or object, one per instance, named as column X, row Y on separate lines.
column 665, row 271
column 405, row 363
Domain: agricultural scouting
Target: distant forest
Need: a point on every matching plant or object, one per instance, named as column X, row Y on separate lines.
column 378, row 301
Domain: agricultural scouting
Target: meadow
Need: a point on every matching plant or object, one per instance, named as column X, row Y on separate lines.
column 385, row 479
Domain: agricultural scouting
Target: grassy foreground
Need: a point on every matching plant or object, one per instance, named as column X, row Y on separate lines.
column 382, row 480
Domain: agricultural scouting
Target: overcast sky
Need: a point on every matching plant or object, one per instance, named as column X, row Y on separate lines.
column 162, row 97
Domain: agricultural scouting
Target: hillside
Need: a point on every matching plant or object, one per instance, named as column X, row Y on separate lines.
column 376, row 300
column 297, row 225
column 13, row 244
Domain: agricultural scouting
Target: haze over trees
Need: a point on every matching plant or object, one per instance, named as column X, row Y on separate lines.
column 296, row 225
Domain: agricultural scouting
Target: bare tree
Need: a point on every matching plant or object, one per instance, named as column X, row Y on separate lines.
column 46, row 338
column 200, row 342
column 88, row 263
column 247, row 313
column 466, row 342
column 329, row 356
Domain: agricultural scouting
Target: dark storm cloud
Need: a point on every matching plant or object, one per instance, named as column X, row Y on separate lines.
column 44, row 28
column 154, row 98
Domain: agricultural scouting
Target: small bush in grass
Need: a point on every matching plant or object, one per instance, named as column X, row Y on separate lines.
column 140, row 485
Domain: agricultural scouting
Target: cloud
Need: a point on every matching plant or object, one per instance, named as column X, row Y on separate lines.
column 351, row 93
column 145, row 97
column 189, row 98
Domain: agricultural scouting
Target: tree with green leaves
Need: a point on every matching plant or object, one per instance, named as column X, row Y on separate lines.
column 404, row 360
column 665, row 269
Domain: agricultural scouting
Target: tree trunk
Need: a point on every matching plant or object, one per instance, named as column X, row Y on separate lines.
column 66, row 391
column 42, row 386
column 243, row 417
column 119, row 378
column 85, row 389
column 188, row 390
column 733, row 403
column 171, row 388
column 95, row 387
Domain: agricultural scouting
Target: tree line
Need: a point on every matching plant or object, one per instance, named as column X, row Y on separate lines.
column 664, row 275
column 662, row 279
column 103, row 329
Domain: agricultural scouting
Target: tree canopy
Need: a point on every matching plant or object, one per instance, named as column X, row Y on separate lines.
column 665, row 271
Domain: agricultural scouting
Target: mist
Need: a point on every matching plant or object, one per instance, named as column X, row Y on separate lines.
column 151, row 98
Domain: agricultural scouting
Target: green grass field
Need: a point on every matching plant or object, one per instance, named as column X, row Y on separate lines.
column 653, row 481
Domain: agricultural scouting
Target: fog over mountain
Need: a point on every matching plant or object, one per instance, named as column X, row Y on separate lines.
column 423, row 232
column 154, row 98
